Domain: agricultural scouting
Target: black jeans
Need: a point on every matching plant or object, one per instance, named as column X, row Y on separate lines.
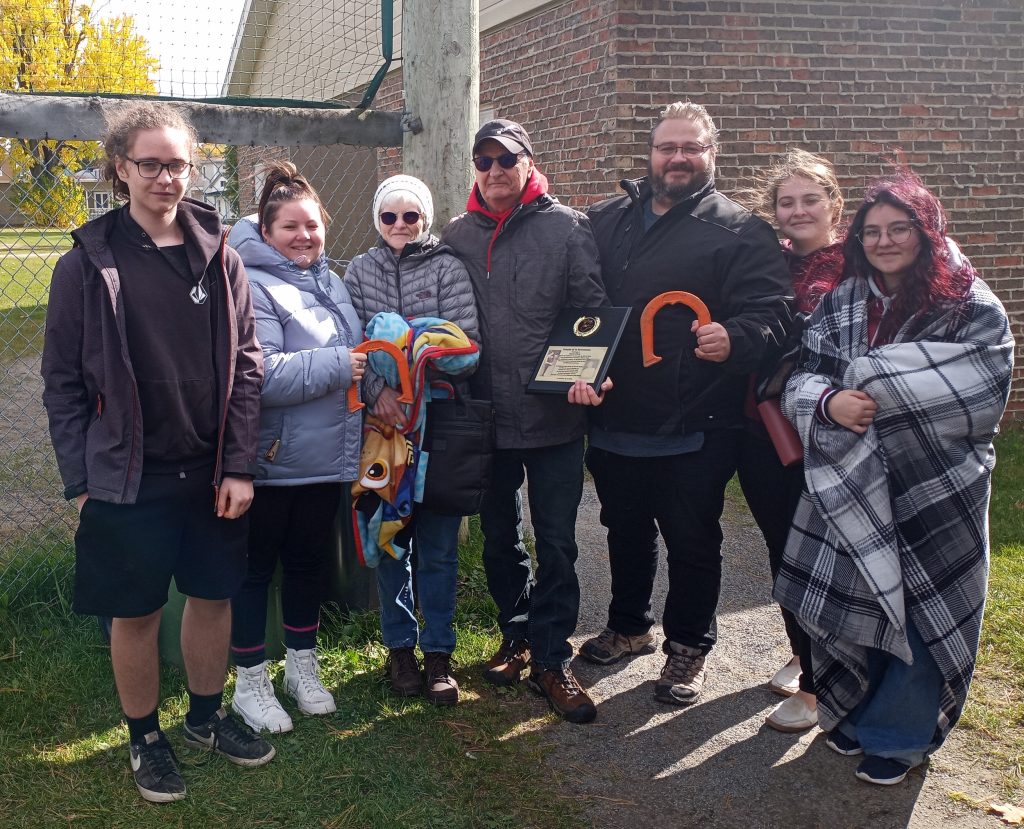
column 682, row 496
column 542, row 609
column 773, row 492
column 290, row 524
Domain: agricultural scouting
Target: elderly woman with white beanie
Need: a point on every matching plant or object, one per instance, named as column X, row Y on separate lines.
column 410, row 273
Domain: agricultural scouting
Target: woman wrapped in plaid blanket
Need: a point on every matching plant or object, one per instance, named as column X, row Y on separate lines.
column 903, row 377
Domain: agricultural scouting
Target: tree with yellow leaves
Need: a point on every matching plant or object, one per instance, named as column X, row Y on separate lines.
column 60, row 46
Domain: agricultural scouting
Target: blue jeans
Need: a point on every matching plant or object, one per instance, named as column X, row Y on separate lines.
column 435, row 547
column 541, row 609
column 899, row 714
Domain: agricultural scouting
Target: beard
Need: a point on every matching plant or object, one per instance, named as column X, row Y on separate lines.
column 677, row 193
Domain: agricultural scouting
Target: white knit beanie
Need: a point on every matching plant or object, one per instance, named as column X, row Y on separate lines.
column 411, row 188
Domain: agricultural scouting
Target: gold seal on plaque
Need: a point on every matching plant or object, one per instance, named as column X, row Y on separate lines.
column 585, row 326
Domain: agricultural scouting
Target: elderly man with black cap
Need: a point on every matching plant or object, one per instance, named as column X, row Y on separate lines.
column 528, row 256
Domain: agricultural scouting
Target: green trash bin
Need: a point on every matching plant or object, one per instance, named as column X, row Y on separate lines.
column 349, row 584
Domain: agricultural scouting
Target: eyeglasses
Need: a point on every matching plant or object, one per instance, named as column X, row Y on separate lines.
column 897, row 233
column 410, row 217
column 153, row 169
column 506, row 161
column 688, row 150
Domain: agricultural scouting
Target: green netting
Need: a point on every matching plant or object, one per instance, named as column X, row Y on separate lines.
column 251, row 50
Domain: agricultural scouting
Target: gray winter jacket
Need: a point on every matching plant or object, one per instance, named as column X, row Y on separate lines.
column 524, row 272
column 305, row 324
column 425, row 281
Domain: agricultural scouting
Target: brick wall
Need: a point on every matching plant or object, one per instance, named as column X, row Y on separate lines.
column 852, row 81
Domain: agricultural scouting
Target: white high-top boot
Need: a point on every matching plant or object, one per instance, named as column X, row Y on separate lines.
column 302, row 682
column 255, row 702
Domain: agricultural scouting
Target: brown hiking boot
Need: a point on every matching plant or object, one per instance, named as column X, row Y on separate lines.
column 564, row 694
column 439, row 685
column 507, row 665
column 682, row 678
column 404, row 671
column 609, row 646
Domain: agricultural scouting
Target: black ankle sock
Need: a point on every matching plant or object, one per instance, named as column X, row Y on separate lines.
column 201, row 707
column 139, row 727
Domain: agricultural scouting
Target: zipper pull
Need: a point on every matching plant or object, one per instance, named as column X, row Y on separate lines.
column 272, row 451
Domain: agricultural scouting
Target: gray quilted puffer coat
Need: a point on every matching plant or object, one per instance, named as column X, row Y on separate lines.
column 306, row 325
column 425, row 281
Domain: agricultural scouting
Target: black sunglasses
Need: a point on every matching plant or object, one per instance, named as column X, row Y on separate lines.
column 506, row 161
column 410, row 217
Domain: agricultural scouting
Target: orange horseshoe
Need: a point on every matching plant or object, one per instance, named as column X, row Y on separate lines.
column 691, row 301
column 354, row 403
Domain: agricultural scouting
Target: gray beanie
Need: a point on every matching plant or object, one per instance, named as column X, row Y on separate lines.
column 411, row 188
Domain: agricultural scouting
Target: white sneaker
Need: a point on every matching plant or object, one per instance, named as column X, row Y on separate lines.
column 792, row 716
column 255, row 702
column 786, row 681
column 302, row 683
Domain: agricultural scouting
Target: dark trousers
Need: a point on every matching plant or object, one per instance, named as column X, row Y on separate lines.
column 773, row 492
column 681, row 496
column 290, row 524
column 542, row 609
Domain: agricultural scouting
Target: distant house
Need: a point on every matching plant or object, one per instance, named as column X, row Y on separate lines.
column 10, row 215
column 941, row 81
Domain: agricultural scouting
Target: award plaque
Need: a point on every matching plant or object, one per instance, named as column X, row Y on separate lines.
column 580, row 347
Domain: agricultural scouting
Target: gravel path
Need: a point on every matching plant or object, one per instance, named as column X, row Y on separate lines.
column 644, row 764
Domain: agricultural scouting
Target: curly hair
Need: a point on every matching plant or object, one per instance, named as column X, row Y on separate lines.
column 931, row 281
column 125, row 121
column 285, row 184
column 795, row 163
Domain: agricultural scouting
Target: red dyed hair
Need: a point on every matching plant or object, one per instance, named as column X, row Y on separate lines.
column 932, row 281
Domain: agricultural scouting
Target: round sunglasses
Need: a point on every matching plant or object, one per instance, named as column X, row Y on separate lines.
column 410, row 217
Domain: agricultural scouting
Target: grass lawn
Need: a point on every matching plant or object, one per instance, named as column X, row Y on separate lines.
column 995, row 708
column 27, row 257
column 379, row 762
column 382, row 761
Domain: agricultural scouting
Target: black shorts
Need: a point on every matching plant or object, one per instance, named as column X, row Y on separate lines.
column 126, row 554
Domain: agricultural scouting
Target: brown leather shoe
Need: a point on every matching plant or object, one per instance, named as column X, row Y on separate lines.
column 404, row 671
column 564, row 694
column 439, row 686
column 507, row 665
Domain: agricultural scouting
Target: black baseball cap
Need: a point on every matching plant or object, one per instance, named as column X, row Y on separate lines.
column 509, row 134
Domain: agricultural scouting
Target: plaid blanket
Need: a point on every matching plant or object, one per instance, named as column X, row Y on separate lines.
column 893, row 523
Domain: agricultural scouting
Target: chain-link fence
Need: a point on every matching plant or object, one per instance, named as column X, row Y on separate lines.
column 329, row 52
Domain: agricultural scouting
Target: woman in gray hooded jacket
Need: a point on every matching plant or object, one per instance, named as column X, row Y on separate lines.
column 410, row 273
column 309, row 441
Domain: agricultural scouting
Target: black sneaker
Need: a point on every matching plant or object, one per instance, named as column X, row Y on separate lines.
column 225, row 735
column 882, row 771
column 156, row 769
column 841, row 744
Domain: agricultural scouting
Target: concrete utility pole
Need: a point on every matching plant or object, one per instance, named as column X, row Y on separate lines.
column 441, row 74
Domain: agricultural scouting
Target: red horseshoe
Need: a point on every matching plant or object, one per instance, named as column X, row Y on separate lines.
column 691, row 301
column 354, row 403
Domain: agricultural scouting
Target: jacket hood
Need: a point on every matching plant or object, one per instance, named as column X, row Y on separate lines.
column 245, row 237
column 536, row 185
column 200, row 222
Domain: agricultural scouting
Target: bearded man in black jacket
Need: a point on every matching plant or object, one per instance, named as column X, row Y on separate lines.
column 665, row 442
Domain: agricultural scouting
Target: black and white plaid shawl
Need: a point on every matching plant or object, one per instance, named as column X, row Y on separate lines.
column 894, row 522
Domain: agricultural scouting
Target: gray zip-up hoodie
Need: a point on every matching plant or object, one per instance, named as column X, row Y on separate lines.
column 306, row 325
